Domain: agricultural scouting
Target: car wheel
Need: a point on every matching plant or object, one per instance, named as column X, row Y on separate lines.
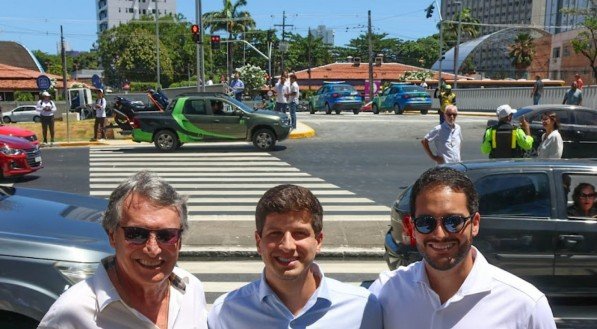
column 375, row 109
column 328, row 109
column 264, row 139
column 311, row 109
column 36, row 119
column 6, row 119
column 355, row 111
column 338, row 111
column 398, row 109
column 424, row 112
column 165, row 141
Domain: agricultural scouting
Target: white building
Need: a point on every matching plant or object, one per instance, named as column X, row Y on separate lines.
column 112, row 13
column 326, row 34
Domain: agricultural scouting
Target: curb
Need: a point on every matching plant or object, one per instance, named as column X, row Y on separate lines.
column 304, row 132
column 188, row 252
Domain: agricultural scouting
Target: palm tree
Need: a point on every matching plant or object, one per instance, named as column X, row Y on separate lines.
column 521, row 52
column 467, row 31
column 232, row 20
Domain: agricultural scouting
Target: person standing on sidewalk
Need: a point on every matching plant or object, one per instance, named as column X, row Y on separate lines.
column 293, row 99
column 579, row 83
column 447, row 138
column 293, row 291
column 446, row 97
column 100, row 116
column 537, row 90
column 237, row 86
column 454, row 286
column 282, row 89
column 573, row 96
column 46, row 109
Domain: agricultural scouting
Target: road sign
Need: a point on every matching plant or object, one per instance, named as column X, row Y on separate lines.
column 96, row 81
column 43, row 82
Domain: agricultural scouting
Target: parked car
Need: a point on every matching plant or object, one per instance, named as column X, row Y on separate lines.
column 337, row 97
column 18, row 157
column 24, row 113
column 48, row 241
column 524, row 224
column 196, row 117
column 15, row 131
column 578, row 127
column 400, row 97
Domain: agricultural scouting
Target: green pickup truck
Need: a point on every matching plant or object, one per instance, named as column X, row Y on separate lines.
column 198, row 117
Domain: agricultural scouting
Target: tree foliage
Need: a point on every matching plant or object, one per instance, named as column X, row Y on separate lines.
column 522, row 51
column 305, row 52
column 585, row 42
column 468, row 29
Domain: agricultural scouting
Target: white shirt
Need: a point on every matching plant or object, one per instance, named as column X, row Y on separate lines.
column 551, row 146
column 100, row 108
column 209, row 82
column 489, row 298
column 45, row 109
column 95, row 303
column 333, row 305
column 281, row 91
column 294, row 88
column 447, row 141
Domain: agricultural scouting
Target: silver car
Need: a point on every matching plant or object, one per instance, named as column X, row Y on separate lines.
column 48, row 242
column 24, row 113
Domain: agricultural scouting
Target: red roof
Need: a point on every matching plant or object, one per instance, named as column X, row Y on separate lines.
column 17, row 78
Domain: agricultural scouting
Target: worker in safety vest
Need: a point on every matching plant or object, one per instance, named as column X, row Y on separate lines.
column 505, row 140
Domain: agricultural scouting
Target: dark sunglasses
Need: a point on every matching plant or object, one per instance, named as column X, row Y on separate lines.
column 453, row 223
column 452, row 114
column 140, row 235
column 584, row 195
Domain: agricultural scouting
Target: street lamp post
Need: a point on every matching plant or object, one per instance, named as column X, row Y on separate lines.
column 456, row 49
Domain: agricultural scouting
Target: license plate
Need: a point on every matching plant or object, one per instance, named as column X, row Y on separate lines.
column 38, row 159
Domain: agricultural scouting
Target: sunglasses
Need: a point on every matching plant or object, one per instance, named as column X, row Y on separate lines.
column 453, row 223
column 584, row 195
column 140, row 235
column 452, row 114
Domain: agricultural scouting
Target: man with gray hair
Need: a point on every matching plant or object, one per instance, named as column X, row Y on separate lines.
column 447, row 138
column 139, row 286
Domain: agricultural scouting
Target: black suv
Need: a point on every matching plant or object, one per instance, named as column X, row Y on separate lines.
column 525, row 228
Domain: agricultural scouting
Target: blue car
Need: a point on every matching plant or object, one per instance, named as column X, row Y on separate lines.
column 400, row 97
column 337, row 97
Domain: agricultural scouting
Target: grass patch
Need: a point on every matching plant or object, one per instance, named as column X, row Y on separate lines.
column 79, row 130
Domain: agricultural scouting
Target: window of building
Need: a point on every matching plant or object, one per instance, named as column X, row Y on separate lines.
column 566, row 51
column 556, row 52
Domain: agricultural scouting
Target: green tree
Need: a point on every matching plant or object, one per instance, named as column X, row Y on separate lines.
column 232, row 20
column 585, row 42
column 468, row 28
column 422, row 52
column 522, row 52
column 253, row 77
column 305, row 52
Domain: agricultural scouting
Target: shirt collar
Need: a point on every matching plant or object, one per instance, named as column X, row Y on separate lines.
column 322, row 290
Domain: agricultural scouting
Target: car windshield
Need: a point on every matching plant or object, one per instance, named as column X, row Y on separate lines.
column 240, row 104
column 341, row 88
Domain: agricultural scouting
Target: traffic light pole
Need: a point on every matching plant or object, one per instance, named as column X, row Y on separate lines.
column 200, row 64
column 248, row 44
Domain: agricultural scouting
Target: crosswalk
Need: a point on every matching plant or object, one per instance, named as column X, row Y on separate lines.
column 219, row 277
column 224, row 185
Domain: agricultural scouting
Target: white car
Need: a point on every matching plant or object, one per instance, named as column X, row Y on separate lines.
column 24, row 113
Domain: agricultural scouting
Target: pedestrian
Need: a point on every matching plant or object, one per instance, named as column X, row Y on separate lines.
column 293, row 291
column 579, row 83
column 46, row 109
column 209, row 82
column 293, row 99
column 100, row 116
column 537, row 90
column 551, row 146
column 447, row 138
column 282, row 89
column 139, row 286
column 423, row 84
column 498, row 140
column 454, row 286
column 237, row 86
column 573, row 96
column 446, row 97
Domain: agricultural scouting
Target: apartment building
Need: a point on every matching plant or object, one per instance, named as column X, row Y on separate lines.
column 112, row 13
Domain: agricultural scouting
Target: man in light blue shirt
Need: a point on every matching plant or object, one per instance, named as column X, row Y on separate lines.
column 293, row 291
column 447, row 138
column 237, row 86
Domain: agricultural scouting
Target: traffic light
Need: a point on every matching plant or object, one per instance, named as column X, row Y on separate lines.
column 196, row 34
column 215, row 42
column 429, row 11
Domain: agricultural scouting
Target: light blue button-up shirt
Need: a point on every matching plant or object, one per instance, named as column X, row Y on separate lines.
column 333, row 305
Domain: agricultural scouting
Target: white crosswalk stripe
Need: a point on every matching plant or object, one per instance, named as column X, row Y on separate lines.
column 224, row 185
column 219, row 277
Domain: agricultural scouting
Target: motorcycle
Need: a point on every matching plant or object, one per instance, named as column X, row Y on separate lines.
column 124, row 112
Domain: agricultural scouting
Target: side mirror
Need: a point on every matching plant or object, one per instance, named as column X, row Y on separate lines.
column 238, row 113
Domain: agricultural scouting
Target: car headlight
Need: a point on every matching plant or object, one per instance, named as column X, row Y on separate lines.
column 286, row 121
column 75, row 272
column 4, row 148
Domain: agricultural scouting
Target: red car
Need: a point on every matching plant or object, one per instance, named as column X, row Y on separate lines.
column 15, row 131
column 18, row 156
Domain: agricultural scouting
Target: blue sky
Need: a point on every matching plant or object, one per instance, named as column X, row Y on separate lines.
column 36, row 23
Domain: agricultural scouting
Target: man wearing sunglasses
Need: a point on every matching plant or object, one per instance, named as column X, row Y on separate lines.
column 293, row 291
column 454, row 286
column 447, row 138
column 139, row 286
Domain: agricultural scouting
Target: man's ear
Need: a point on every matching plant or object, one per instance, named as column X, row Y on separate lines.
column 257, row 242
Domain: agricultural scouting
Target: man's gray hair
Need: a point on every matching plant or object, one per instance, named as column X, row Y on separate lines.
column 147, row 185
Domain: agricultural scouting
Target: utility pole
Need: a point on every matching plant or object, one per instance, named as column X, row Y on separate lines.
column 309, row 39
column 199, row 48
column 456, row 50
column 370, row 56
column 64, row 84
column 157, row 44
column 283, row 25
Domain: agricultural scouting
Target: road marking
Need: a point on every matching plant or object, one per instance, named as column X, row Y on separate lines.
column 318, row 193
column 181, row 187
column 219, row 179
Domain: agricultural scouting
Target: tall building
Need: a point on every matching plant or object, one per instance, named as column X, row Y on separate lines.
column 112, row 13
column 558, row 22
column 326, row 34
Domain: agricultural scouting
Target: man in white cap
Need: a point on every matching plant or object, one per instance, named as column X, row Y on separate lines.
column 505, row 140
column 100, row 116
column 46, row 109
